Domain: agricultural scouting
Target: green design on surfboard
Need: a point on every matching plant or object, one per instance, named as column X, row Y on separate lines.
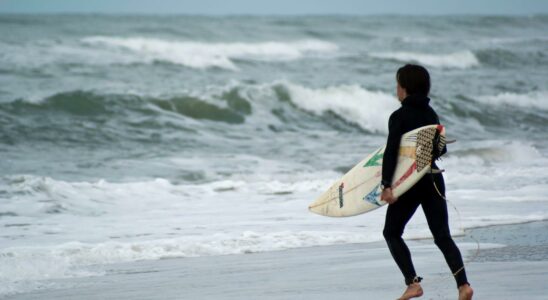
column 375, row 160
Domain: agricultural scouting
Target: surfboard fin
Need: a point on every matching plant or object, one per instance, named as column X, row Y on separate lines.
column 437, row 171
column 450, row 141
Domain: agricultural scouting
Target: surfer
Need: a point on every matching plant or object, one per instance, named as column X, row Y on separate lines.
column 413, row 86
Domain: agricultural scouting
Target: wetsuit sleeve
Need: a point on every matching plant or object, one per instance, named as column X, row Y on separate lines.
column 390, row 158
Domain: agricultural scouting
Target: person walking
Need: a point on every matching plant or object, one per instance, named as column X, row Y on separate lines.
column 413, row 87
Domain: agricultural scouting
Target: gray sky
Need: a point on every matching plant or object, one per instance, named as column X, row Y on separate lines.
column 277, row 7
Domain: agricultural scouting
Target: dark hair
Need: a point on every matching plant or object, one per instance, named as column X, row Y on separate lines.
column 414, row 79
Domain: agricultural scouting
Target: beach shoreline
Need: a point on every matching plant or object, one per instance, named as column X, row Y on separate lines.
column 512, row 261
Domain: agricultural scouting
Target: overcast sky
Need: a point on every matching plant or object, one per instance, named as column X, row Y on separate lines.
column 277, row 7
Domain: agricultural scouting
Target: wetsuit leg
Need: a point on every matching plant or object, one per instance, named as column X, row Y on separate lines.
column 435, row 210
column 397, row 216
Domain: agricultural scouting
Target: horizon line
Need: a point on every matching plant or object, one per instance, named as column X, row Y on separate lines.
column 273, row 14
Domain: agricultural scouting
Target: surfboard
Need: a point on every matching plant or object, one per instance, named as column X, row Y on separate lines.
column 359, row 190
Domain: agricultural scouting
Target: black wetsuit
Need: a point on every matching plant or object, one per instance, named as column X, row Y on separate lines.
column 415, row 112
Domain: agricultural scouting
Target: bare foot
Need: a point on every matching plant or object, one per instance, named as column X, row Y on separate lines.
column 413, row 290
column 465, row 292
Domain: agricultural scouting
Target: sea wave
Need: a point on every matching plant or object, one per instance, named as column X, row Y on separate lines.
column 500, row 165
column 274, row 105
column 230, row 109
column 203, row 55
column 460, row 60
column 498, row 151
column 40, row 196
column 232, row 104
column 536, row 100
column 368, row 109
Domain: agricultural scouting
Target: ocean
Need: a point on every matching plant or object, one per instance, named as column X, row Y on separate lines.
column 127, row 138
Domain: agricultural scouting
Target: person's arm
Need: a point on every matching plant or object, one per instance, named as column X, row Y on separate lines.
column 444, row 150
column 390, row 158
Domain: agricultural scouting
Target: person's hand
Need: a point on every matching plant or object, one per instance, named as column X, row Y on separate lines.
column 387, row 196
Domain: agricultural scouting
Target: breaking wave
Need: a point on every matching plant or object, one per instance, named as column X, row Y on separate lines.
column 368, row 109
column 538, row 99
column 203, row 55
column 460, row 60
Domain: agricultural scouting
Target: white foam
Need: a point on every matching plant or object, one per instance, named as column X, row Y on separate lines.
column 529, row 193
column 493, row 151
column 538, row 99
column 205, row 55
column 460, row 60
column 86, row 254
column 495, row 166
column 29, row 264
column 110, row 222
column 369, row 109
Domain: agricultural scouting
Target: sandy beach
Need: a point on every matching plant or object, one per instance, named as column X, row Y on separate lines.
column 512, row 262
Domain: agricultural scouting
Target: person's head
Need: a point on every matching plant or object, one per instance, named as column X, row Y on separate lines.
column 412, row 80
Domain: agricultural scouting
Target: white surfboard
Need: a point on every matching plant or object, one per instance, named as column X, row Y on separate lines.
column 359, row 190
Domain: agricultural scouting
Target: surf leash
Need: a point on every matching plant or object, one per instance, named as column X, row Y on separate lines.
column 436, row 154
